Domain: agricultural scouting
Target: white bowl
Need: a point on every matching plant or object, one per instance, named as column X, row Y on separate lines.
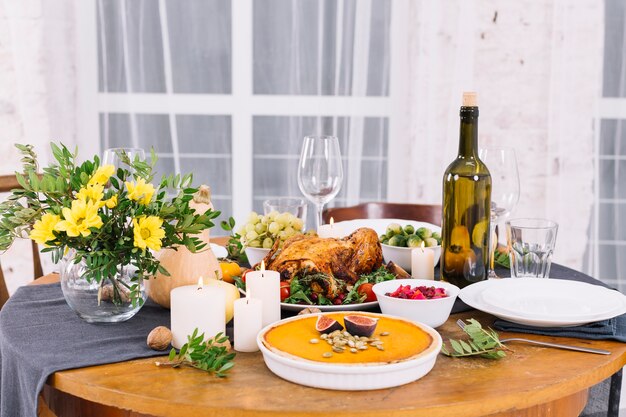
column 350, row 377
column 433, row 312
column 402, row 256
column 256, row 255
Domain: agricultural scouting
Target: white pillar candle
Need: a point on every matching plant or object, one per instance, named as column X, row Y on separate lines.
column 265, row 286
column 197, row 306
column 330, row 230
column 423, row 263
column 248, row 324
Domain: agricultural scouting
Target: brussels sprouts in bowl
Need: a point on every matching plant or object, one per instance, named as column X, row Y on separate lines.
column 398, row 241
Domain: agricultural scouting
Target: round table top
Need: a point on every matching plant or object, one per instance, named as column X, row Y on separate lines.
column 527, row 378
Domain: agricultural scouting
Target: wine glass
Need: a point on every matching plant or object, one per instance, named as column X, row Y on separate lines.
column 505, row 190
column 115, row 156
column 320, row 171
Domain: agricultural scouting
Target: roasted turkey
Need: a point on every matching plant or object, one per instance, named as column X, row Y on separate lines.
column 345, row 259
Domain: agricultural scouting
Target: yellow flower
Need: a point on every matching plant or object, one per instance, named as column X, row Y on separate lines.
column 43, row 228
column 80, row 218
column 102, row 175
column 111, row 202
column 93, row 193
column 140, row 191
column 148, row 232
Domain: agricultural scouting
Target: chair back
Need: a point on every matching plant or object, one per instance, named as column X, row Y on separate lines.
column 8, row 183
column 418, row 212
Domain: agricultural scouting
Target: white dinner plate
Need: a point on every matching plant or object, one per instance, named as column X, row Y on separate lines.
column 544, row 302
column 341, row 307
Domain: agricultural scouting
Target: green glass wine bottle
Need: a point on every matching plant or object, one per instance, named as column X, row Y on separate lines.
column 466, row 206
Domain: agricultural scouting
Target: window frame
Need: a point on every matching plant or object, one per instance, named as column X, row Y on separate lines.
column 242, row 104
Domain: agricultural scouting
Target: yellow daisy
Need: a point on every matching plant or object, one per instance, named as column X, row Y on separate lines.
column 102, row 175
column 93, row 193
column 80, row 218
column 140, row 191
column 148, row 232
column 111, row 202
column 43, row 229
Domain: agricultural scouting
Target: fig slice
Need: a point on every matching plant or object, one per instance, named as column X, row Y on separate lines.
column 360, row 325
column 325, row 324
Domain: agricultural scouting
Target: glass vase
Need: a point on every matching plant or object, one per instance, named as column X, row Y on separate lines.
column 105, row 302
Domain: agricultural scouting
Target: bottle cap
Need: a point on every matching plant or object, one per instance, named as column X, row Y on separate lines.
column 470, row 99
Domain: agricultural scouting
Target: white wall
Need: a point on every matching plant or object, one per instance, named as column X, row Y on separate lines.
column 537, row 69
column 37, row 95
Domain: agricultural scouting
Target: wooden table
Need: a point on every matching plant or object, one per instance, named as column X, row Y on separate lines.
column 532, row 381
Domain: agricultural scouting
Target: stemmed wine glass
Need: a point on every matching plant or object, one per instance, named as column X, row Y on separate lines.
column 505, row 190
column 320, row 171
column 114, row 156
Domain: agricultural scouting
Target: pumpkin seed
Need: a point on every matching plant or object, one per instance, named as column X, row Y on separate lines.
column 314, row 341
column 353, row 350
column 327, row 355
column 385, row 334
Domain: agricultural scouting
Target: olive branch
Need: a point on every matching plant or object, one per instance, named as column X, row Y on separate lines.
column 482, row 342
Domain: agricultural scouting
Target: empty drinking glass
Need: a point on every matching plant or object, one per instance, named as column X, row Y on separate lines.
column 502, row 165
column 531, row 244
column 295, row 206
column 120, row 156
column 320, row 171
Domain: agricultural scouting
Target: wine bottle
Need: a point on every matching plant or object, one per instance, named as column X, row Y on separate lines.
column 466, row 206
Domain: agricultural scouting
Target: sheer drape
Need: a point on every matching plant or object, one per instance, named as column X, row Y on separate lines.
column 300, row 49
column 606, row 255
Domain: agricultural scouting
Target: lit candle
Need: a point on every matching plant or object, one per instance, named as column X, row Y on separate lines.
column 248, row 324
column 265, row 286
column 197, row 306
column 330, row 230
column 422, row 263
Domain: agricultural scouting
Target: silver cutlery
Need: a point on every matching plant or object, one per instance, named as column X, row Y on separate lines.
column 461, row 324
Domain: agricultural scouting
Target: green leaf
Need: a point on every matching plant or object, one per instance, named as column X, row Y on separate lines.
column 456, row 346
column 465, row 346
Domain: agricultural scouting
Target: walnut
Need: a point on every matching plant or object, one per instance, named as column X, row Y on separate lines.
column 159, row 338
column 309, row 310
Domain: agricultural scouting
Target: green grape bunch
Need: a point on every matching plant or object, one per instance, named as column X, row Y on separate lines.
column 263, row 231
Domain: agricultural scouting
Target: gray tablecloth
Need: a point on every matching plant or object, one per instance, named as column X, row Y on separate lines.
column 40, row 335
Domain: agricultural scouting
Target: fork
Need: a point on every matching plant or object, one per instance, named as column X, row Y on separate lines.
column 461, row 324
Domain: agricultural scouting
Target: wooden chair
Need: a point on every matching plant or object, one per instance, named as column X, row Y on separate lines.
column 8, row 183
column 420, row 212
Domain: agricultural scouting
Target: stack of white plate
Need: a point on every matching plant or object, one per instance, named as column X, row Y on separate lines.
column 544, row 302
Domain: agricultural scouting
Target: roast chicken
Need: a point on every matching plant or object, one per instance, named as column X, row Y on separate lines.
column 327, row 259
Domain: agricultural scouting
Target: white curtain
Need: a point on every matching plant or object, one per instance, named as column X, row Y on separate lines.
column 299, row 49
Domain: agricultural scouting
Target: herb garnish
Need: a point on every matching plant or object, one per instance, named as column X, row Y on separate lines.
column 234, row 246
column 210, row 356
column 483, row 343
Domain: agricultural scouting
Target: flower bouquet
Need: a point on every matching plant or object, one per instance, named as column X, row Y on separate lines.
column 106, row 223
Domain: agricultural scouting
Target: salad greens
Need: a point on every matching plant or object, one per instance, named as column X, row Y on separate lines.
column 301, row 291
